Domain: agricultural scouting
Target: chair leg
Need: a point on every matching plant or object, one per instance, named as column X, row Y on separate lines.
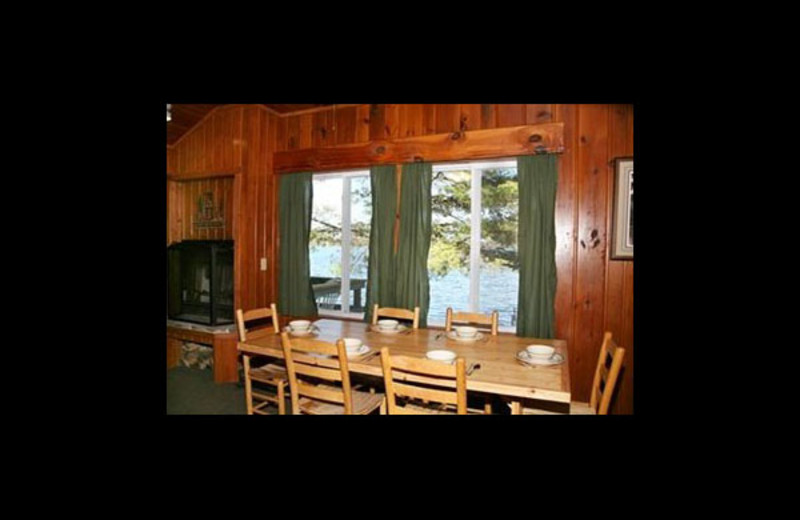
column 487, row 408
column 248, row 385
column 383, row 406
column 281, row 399
column 516, row 408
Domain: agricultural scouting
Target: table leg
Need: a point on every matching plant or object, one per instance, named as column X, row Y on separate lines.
column 516, row 408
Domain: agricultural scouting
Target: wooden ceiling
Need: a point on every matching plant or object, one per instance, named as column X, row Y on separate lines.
column 185, row 116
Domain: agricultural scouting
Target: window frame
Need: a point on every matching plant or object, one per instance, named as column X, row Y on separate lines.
column 476, row 168
column 346, row 176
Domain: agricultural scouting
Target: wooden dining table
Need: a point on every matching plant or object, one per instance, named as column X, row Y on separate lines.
column 492, row 364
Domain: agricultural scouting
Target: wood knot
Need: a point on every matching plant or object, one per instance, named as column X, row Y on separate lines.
column 535, row 138
column 455, row 136
column 379, row 150
column 417, row 158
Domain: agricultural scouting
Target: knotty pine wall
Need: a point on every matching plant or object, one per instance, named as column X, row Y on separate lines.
column 230, row 151
column 593, row 293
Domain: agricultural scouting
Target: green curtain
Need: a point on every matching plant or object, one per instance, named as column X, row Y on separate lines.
column 380, row 271
column 538, row 179
column 296, row 296
column 411, row 262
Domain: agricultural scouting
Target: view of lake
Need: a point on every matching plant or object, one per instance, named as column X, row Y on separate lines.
column 498, row 287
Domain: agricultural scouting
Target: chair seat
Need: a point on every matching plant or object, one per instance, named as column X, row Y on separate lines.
column 363, row 403
column 575, row 408
column 273, row 374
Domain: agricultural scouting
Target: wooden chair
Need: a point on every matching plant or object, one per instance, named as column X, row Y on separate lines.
column 391, row 312
column 323, row 398
column 605, row 380
column 471, row 318
column 271, row 373
column 430, row 386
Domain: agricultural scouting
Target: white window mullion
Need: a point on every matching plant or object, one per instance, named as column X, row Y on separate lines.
column 475, row 242
column 346, row 241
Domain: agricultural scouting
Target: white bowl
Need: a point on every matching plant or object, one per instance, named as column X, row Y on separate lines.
column 466, row 332
column 352, row 345
column 540, row 351
column 388, row 324
column 441, row 355
column 300, row 325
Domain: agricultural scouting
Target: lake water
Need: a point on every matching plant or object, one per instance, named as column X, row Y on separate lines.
column 498, row 287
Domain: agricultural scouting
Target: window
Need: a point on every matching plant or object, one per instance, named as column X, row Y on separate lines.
column 473, row 262
column 339, row 242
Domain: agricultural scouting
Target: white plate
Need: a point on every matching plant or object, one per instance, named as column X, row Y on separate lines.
column 400, row 328
column 453, row 335
column 526, row 358
column 363, row 349
column 309, row 332
column 442, row 355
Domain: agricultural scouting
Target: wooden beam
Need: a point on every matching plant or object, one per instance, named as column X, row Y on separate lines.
column 457, row 146
column 193, row 176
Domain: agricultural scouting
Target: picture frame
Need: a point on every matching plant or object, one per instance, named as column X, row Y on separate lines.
column 622, row 222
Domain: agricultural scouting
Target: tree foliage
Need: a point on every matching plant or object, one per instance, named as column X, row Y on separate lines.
column 450, row 242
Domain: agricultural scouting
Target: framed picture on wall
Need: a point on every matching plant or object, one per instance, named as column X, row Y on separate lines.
column 622, row 225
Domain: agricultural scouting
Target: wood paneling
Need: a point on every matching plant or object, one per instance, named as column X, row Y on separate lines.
column 214, row 145
column 591, row 197
column 172, row 160
column 619, row 275
column 184, row 118
column 293, row 107
column 511, row 115
column 566, row 221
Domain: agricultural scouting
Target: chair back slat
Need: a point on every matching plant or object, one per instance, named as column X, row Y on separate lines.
column 393, row 312
column 330, row 374
column 314, row 345
column 423, row 366
column 243, row 317
column 260, row 333
column 600, row 400
column 439, row 375
column 429, row 394
column 472, row 318
column 321, row 393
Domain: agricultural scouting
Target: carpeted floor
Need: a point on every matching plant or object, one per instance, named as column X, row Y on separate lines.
column 191, row 391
